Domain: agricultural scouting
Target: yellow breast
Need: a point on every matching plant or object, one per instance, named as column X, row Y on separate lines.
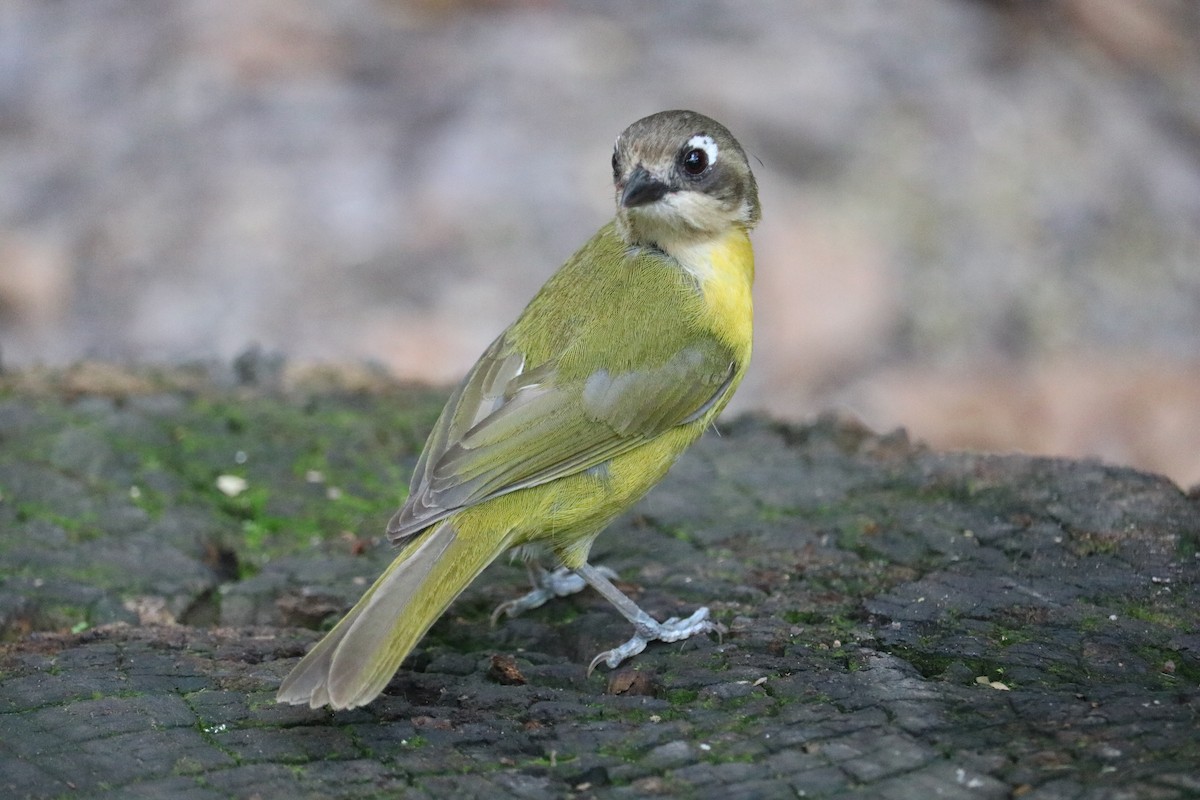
column 724, row 268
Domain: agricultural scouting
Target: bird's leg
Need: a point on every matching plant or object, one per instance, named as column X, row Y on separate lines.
column 646, row 628
column 546, row 586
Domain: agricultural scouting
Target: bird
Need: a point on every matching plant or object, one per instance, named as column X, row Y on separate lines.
column 616, row 366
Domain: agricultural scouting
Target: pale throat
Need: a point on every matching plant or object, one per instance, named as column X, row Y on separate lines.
column 723, row 261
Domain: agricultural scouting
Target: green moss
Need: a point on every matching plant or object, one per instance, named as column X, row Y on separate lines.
column 1007, row 637
column 773, row 513
column 679, row 697
column 1166, row 617
column 315, row 470
column 1189, row 545
column 726, row 755
column 933, row 664
column 1171, row 668
column 1088, row 543
column 1069, row 673
column 853, row 534
column 803, row 617
column 153, row 502
column 622, row 750
column 186, row 765
column 80, row 528
column 60, row 617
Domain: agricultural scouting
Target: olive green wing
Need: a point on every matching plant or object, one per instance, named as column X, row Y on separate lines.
column 507, row 428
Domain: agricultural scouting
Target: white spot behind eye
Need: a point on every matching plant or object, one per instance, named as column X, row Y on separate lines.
column 706, row 143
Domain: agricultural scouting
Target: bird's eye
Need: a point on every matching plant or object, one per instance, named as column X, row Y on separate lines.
column 698, row 155
column 694, row 161
column 616, row 166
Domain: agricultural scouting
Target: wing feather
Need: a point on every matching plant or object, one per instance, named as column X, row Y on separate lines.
column 507, row 428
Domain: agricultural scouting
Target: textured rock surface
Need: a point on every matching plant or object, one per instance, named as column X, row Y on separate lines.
column 905, row 622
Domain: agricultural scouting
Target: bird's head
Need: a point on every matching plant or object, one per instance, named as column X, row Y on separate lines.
column 681, row 178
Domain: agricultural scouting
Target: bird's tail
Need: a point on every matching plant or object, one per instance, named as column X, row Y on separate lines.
column 355, row 661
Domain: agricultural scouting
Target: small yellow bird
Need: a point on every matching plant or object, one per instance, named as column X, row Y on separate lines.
column 614, row 368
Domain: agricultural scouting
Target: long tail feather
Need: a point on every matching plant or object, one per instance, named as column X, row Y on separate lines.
column 355, row 661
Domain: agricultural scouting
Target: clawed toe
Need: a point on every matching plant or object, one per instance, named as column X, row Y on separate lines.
column 511, row 608
column 673, row 630
column 613, row 658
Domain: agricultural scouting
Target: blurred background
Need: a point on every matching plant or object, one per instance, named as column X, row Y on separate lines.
column 981, row 219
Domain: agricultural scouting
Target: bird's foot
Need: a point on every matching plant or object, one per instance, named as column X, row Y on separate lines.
column 646, row 631
column 547, row 585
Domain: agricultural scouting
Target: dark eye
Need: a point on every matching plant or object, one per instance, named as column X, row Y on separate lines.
column 616, row 166
column 694, row 162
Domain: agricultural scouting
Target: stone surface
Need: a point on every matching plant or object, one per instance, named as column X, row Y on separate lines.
column 902, row 622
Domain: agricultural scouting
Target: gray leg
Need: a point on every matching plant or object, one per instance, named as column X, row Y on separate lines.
column 546, row 586
column 646, row 628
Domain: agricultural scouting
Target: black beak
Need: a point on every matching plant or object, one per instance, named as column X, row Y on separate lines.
column 642, row 188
